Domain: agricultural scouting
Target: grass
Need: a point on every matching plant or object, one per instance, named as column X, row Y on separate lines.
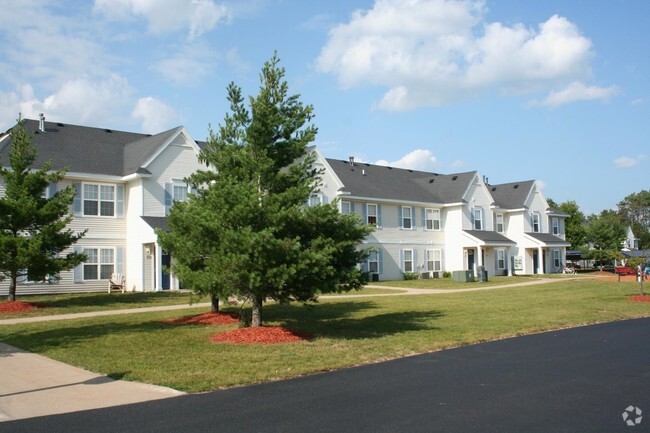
column 87, row 302
column 449, row 284
column 347, row 332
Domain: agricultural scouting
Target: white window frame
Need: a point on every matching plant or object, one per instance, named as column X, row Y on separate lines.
column 434, row 260
column 557, row 263
column 432, row 219
column 478, row 218
column 500, row 223
column 536, row 222
column 372, row 215
column 100, row 257
column 501, row 259
column 346, row 207
column 373, row 262
column 555, row 226
column 407, row 221
column 410, row 261
column 101, row 188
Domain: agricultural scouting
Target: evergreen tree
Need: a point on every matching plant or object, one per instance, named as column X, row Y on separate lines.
column 33, row 230
column 247, row 231
column 574, row 224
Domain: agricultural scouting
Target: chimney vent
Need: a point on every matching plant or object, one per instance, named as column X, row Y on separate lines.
column 363, row 172
column 41, row 122
column 352, row 160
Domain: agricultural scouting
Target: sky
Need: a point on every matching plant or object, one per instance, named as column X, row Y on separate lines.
column 553, row 90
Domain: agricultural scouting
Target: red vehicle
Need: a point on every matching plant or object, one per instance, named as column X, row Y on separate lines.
column 624, row 270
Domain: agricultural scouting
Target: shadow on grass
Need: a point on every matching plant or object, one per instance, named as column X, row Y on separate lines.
column 350, row 320
column 114, row 300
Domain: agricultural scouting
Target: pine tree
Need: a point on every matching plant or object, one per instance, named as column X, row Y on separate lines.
column 33, row 230
column 247, row 231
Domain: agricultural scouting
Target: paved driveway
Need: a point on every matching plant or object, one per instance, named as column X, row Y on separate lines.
column 576, row 380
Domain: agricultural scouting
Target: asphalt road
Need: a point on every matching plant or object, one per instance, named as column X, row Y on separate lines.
column 575, row 380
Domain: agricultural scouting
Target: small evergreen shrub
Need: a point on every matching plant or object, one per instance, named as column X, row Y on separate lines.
column 410, row 276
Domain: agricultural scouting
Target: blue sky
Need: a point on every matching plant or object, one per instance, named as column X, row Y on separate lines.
column 557, row 91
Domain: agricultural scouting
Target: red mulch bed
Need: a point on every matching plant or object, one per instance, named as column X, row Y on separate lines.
column 14, row 307
column 639, row 298
column 260, row 335
column 211, row 318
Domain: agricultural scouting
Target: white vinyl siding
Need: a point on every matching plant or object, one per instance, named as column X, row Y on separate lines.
column 346, row 208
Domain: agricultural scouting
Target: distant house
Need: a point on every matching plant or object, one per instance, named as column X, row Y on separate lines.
column 125, row 184
column 426, row 223
column 430, row 223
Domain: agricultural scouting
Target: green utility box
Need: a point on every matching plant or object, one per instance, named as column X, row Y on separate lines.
column 462, row 276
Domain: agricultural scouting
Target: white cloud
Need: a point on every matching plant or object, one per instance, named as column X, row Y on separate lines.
column 80, row 101
column 435, row 52
column 419, row 159
column 198, row 16
column 628, row 162
column 189, row 65
column 457, row 164
column 155, row 115
column 579, row 92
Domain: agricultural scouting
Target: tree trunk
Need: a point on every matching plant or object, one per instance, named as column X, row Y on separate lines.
column 12, row 289
column 256, row 317
column 214, row 303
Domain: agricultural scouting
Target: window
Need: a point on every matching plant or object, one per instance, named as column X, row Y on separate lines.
column 478, row 219
column 100, row 263
column 407, row 265
column 555, row 223
column 98, row 200
column 434, row 260
column 346, row 208
column 432, row 217
column 371, row 210
column 501, row 259
column 556, row 260
column 536, row 223
column 179, row 192
column 407, row 217
column 373, row 262
column 500, row 225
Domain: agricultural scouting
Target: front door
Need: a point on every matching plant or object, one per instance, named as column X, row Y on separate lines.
column 166, row 261
column 470, row 260
column 535, row 262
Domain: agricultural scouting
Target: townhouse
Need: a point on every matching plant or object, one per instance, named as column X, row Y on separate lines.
column 426, row 223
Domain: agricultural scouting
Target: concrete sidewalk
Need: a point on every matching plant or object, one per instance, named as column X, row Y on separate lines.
column 32, row 385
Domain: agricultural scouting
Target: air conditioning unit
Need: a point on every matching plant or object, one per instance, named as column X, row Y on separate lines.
column 426, row 275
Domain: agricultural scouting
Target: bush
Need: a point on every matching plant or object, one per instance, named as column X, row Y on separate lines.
column 410, row 276
column 446, row 274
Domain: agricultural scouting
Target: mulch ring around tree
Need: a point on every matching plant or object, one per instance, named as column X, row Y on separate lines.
column 639, row 298
column 261, row 335
column 210, row 318
column 15, row 307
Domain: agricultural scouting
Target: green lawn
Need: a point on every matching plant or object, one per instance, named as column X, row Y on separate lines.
column 347, row 332
column 448, row 283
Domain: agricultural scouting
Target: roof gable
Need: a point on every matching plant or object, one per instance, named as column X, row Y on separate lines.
column 513, row 195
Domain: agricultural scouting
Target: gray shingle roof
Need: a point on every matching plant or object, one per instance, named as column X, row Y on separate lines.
column 376, row 181
column 490, row 237
column 156, row 222
column 549, row 239
column 84, row 149
column 511, row 195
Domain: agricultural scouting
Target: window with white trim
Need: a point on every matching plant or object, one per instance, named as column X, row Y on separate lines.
column 432, row 217
column 373, row 262
column 345, row 207
column 407, row 264
column 100, row 263
column 434, row 260
column 536, row 222
column 501, row 259
column 98, row 200
column 179, row 192
column 555, row 224
column 556, row 259
column 407, row 217
column 499, row 223
column 478, row 219
column 371, row 210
